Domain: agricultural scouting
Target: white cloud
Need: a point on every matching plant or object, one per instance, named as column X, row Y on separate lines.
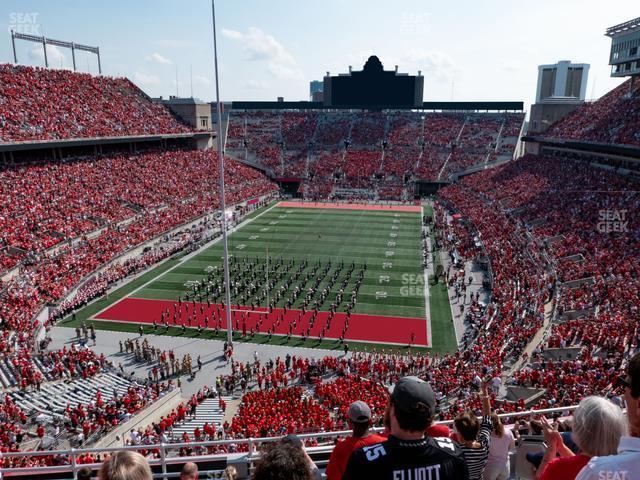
column 256, row 84
column 54, row 55
column 260, row 46
column 512, row 66
column 146, row 79
column 434, row 65
column 157, row 58
column 202, row 80
column 283, row 71
column 232, row 34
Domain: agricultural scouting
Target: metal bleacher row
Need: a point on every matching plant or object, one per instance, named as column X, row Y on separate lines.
column 52, row 399
column 7, row 372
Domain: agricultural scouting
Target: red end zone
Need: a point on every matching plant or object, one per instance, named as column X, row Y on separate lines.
column 352, row 206
column 362, row 328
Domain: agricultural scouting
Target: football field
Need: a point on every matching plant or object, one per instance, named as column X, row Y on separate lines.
column 310, row 273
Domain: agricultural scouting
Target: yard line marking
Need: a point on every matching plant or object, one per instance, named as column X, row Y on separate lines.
column 379, row 294
column 425, row 273
column 185, row 259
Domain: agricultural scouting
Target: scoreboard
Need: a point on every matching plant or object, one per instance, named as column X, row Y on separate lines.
column 373, row 88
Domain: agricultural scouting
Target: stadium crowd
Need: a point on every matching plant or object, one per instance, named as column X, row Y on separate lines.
column 60, row 201
column 47, row 104
column 510, row 244
column 565, row 207
column 548, row 229
column 613, row 118
column 347, row 146
column 598, row 438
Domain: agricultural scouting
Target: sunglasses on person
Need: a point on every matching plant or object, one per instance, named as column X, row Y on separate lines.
column 622, row 382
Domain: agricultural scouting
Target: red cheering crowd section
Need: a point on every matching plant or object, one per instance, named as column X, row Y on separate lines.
column 273, row 412
column 563, row 200
column 370, row 151
column 364, row 328
column 614, row 118
column 163, row 187
column 47, row 104
column 342, row 392
column 64, row 201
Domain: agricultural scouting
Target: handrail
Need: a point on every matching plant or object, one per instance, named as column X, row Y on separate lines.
column 163, row 459
column 252, row 441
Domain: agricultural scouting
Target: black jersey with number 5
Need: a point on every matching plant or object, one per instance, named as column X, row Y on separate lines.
column 395, row 459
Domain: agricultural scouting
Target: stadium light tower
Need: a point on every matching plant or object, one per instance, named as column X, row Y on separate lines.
column 59, row 43
column 227, row 292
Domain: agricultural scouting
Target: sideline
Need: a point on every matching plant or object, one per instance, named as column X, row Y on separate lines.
column 184, row 259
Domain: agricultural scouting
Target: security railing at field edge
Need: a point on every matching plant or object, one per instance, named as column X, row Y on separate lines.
column 242, row 460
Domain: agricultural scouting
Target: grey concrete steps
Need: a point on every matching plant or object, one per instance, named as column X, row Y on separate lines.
column 207, row 412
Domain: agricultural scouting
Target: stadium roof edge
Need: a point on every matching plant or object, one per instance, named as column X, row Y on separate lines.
column 622, row 28
column 628, row 151
column 451, row 106
column 81, row 142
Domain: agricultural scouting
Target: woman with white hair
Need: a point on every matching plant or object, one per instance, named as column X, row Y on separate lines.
column 597, row 428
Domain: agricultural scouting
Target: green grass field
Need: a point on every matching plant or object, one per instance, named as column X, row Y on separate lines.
column 387, row 242
column 345, row 236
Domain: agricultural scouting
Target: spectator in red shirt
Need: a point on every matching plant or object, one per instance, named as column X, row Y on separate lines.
column 598, row 426
column 360, row 419
column 438, row 431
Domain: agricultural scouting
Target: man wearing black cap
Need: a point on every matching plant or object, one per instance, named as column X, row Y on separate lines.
column 359, row 415
column 408, row 454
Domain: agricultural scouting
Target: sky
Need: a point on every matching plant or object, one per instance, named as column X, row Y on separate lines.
column 466, row 49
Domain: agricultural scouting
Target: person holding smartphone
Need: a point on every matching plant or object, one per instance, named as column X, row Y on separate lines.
column 597, row 428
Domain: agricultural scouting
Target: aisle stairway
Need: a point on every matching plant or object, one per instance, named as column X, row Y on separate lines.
column 207, row 412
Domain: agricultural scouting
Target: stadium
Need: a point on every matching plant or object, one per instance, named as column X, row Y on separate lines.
column 364, row 284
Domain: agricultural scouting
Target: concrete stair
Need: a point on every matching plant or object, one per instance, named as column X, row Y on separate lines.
column 207, row 412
